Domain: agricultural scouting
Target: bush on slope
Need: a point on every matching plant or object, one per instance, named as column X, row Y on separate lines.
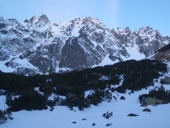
column 73, row 85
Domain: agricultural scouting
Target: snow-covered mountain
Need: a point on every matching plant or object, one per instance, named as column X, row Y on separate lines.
column 39, row 46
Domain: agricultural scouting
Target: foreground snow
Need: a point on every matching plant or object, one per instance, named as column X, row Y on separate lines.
column 62, row 117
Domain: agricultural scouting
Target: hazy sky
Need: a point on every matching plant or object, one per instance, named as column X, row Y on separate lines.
column 112, row 13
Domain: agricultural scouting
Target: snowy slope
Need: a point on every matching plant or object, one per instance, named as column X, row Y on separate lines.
column 63, row 117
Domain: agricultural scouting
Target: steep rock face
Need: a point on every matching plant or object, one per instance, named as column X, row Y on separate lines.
column 150, row 40
column 72, row 52
column 39, row 46
column 145, row 39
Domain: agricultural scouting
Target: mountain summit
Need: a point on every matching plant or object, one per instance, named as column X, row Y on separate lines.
column 38, row 46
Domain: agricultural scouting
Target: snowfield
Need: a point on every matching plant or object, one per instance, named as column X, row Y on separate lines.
column 63, row 117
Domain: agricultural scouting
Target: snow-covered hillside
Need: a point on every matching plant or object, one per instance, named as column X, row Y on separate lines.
column 63, row 117
column 39, row 46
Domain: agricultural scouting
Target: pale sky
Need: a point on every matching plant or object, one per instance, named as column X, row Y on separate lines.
column 112, row 13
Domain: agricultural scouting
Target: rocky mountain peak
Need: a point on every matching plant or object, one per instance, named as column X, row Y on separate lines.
column 127, row 30
column 76, row 20
column 38, row 21
column 31, row 20
column 94, row 21
column 122, row 31
column 2, row 23
column 148, row 33
column 38, row 46
column 87, row 21
column 44, row 18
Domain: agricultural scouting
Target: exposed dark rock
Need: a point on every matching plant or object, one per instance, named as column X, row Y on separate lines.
column 146, row 110
column 166, row 80
column 2, row 25
column 107, row 115
column 73, row 56
column 4, row 31
column 84, row 119
column 132, row 115
column 93, row 124
column 74, row 122
column 109, row 124
column 122, row 98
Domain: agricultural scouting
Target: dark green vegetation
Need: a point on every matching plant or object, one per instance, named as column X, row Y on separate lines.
column 4, row 115
column 21, row 91
column 160, row 94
